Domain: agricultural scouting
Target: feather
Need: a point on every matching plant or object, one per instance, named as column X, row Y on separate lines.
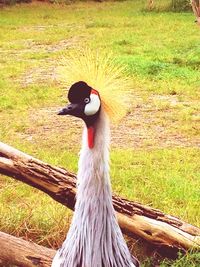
column 100, row 71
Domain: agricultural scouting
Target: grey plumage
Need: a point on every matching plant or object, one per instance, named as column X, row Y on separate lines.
column 94, row 238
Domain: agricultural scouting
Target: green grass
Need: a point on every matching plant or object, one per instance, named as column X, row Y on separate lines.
column 175, row 176
column 192, row 260
column 161, row 53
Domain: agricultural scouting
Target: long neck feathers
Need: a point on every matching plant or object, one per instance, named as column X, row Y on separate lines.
column 93, row 171
column 94, row 238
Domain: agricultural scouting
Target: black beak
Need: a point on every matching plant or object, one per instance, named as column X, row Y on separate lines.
column 68, row 110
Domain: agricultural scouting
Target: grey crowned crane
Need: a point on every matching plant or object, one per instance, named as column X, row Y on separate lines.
column 94, row 238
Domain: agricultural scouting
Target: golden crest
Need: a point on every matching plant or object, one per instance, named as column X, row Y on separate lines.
column 100, row 71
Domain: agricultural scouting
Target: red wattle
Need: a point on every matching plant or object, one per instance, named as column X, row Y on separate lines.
column 90, row 137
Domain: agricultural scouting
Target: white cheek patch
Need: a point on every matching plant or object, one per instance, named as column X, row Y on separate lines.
column 93, row 106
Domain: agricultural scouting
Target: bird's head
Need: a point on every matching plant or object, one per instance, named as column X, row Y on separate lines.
column 85, row 103
column 85, row 71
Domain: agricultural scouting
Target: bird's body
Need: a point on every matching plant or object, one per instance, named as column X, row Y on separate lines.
column 94, row 238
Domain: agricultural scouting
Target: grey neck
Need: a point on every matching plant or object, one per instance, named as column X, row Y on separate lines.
column 94, row 238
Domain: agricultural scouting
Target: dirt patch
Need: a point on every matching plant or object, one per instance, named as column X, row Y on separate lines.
column 38, row 75
column 35, row 46
column 151, row 123
column 146, row 126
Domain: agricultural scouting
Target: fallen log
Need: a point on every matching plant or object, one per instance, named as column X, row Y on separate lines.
column 135, row 219
column 23, row 253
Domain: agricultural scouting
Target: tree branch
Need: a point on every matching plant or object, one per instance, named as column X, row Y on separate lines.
column 135, row 219
column 23, row 253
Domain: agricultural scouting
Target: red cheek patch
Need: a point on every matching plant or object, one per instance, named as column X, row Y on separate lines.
column 94, row 92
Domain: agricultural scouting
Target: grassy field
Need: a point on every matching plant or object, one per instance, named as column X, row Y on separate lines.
column 155, row 150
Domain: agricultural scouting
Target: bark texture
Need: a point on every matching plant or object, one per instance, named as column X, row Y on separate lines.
column 135, row 219
column 23, row 253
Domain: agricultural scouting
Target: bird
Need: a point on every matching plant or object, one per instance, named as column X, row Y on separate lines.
column 94, row 238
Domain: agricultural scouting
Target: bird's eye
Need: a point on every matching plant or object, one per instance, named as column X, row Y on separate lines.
column 86, row 100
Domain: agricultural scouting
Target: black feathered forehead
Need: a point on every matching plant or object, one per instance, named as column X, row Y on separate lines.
column 78, row 92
